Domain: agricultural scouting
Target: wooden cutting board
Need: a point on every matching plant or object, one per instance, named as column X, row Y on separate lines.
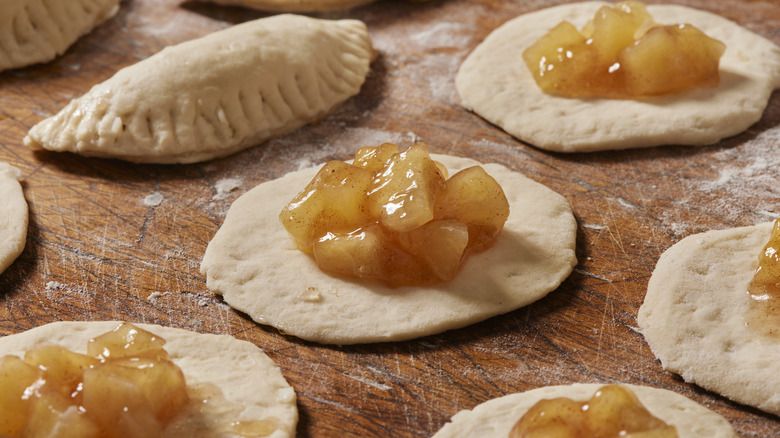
column 113, row 240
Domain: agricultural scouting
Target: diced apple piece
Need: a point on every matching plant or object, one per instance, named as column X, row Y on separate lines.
column 402, row 196
column 546, row 57
column 374, row 158
column 440, row 245
column 557, row 417
column 62, row 368
column 614, row 409
column 669, row 59
column 476, row 199
column 367, row 254
column 125, row 395
column 332, row 202
column 15, row 377
column 158, row 386
column 53, row 417
column 614, row 28
column 127, row 340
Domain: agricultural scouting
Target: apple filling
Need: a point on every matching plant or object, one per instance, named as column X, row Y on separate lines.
column 124, row 386
column 622, row 54
column 613, row 412
column 395, row 217
column 764, row 288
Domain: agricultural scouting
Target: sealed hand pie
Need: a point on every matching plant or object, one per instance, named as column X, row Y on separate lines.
column 33, row 31
column 258, row 269
column 495, row 82
column 295, row 5
column 215, row 95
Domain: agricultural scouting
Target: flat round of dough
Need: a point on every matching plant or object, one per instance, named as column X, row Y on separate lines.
column 295, row 5
column 215, row 95
column 495, row 418
column 695, row 313
column 495, row 83
column 254, row 263
column 13, row 220
column 247, row 378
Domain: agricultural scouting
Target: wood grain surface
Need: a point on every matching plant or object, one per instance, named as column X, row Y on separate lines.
column 113, row 240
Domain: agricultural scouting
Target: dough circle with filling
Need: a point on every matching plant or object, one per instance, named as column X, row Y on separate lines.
column 246, row 377
column 13, row 220
column 495, row 418
column 695, row 316
column 255, row 265
column 495, row 83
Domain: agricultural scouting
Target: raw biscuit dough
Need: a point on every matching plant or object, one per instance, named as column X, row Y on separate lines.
column 13, row 219
column 295, row 5
column 254, row 263
column 243, row 373
column 495, row 83
column 495, row 418
column 33, row 31
column 216, row 95
column 695, row 311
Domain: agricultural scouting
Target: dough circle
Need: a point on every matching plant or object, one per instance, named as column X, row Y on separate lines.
column 13, row 221
column 255, row 265
column 695, row 313
column 495, row 83
column 495, row 418
column 243, row 373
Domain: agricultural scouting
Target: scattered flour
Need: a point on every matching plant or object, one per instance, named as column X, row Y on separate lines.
column 444, row 35
column 54, row 286
column 225, row 186
column 154, row 199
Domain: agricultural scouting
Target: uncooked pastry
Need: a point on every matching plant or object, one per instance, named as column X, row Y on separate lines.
column 495, row 418
column 215, row 95
column 495, row 83
column 33, row 31
column 295, row 5
column 695, row 313
column 13, row 220
column 255, row 265
column 247, row 378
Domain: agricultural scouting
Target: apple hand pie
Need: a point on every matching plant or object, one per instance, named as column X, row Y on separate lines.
column 33, row 31
column 215, row 95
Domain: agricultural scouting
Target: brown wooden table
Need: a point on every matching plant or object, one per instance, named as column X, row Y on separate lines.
column 113, row 240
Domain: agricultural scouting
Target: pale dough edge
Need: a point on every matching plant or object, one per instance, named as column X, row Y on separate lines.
column 13, row 221
column 694, row 316
column 496, row 417
column 253, row 380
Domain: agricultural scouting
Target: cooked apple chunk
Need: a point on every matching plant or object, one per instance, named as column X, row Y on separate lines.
column 395, row 217
column 622, row 53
